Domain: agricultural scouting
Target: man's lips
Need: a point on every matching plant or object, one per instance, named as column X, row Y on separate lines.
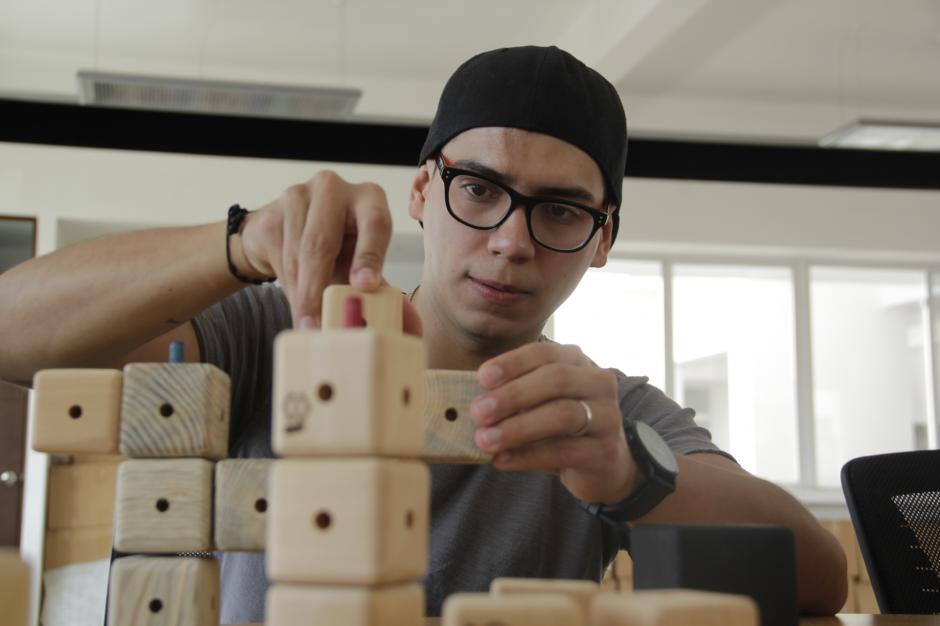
column 498, row 293
column 500, row 286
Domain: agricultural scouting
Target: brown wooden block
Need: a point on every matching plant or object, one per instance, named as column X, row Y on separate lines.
column 303, row 605
column 865, row 601
column 673, row 607
column 66, row 546
column 348, row 392
column 163, row 505
column 448, row 429
column 76, row 410
column 164, row 591
column 348, row 521
column 81, row 495
column 381, row 309
column 465, row 609
column 619, row 576
column 14, row 588
column 241, row 504
column 175, row 410
column 581, row 591
column 845, row 533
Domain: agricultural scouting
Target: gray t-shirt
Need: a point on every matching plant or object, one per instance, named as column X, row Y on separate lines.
column 484, row 523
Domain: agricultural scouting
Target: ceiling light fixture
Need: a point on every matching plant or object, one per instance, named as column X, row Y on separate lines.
column 876, row 135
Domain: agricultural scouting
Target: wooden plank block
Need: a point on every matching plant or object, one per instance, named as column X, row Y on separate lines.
column 348, row 521
column 66, row 546
column 448, row 429
column 175, row 410
column 164, row 591
column 76, row 410
column 164, row 505
column 381, row 309
column 463, row 609
column 81, row 495
column 348, row 392
column 241, row 504
column 673, row 607
column 302, row 605
column 581, row 591
column 14, row 588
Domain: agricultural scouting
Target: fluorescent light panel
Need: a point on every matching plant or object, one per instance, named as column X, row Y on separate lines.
column 213, row 96
column 871, row 135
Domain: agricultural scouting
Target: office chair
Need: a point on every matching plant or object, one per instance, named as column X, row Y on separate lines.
column 894, row 501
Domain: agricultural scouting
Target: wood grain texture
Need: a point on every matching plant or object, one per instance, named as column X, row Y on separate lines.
column 463, row 609
column 175, row 410
column 448, row 429
column 163, row 505
column 66, row 546
column 357, row 521
column 302, row 605
column 163, row 591
column 241, row 504
column 581, row 591
column 348, row 392
column 381, row 309
column 76, row 410
column 673, row 607
column 14, row 588
column 81, row 495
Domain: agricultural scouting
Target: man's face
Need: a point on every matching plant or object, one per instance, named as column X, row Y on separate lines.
column 499, row 283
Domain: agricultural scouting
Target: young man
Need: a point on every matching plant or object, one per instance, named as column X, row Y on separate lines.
column 518, row 191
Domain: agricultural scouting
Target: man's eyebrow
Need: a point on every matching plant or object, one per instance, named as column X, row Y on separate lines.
column 571, row 193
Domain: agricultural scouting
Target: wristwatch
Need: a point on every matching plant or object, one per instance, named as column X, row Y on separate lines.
column 656, row 462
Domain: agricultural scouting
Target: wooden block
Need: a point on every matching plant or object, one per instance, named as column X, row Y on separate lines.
column 619, row 576
column 673, row 607
column 81, row 495
column 241, row 504
column 381, row 309
column 163, row 505
column 448, row 429
column 348, row 392
column 14, row 588
column 302, row 605
column 466, row 609
column 67, row 546
column 348, row 521
column 843, row 531
column 164, row 591
column 581, row 591
column 175, row 410
column 865, row 601
column 76, row 410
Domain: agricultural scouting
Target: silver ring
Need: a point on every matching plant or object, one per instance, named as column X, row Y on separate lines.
column 588, row 416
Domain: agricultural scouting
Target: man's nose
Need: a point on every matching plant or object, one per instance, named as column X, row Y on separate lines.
column 512, row 238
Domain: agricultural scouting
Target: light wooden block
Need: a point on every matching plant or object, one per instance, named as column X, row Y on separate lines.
column 14, row 588
column 163, row 505
column 67, row 546
column 673, row 607
column 619, row 576
column 348, row 392
column 581, row 591
column 241, row 504
column 865, row 600
column 76, row 410
column 164, row 591
column 845, row 533
column 448, row 429
column 303, row 605
column 175, row 410
column 348, row 521
column 81, row 495
column 381, row 309
column 465, row 609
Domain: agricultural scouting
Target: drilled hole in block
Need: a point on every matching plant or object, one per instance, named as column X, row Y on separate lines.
column 75, row 411
column 325, row 392
column 261, row 505
column 406, row 396
column 409, row 519
column 450, row 414
column 323, row 520
column 166, row 409
column 163, row 505
column 155, row 605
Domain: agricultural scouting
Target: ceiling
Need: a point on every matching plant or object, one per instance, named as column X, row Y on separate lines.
column 782, row 71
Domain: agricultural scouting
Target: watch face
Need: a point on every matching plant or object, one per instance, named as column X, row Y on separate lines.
column 657, row 448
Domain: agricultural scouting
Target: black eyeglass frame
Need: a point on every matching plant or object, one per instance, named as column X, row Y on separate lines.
column 448, row 174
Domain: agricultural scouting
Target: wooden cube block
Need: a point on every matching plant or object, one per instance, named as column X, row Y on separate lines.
column 303, row 605
column 581, row 591
column 466, row 609
column 163, row 505
column 175, row 410
column 348, row 521
column 348, row 392
column 76, row 410
column 164, row 591
column 241, row 503
column 673, row 607
column 865, row 600
column 81, row 495
column 381, row 309
column 14, row 588
column 448, row 429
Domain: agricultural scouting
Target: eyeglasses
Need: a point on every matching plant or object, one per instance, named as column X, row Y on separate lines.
column 478, row 202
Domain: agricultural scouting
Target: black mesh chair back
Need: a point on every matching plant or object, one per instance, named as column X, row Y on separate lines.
column 894, row 501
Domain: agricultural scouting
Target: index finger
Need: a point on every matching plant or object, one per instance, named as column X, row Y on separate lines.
column 373, row 223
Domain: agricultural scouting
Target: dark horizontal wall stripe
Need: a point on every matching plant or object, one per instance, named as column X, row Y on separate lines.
column 386, row 144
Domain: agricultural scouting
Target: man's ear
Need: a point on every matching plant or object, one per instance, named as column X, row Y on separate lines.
column 420, row 187
column 606, row 241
